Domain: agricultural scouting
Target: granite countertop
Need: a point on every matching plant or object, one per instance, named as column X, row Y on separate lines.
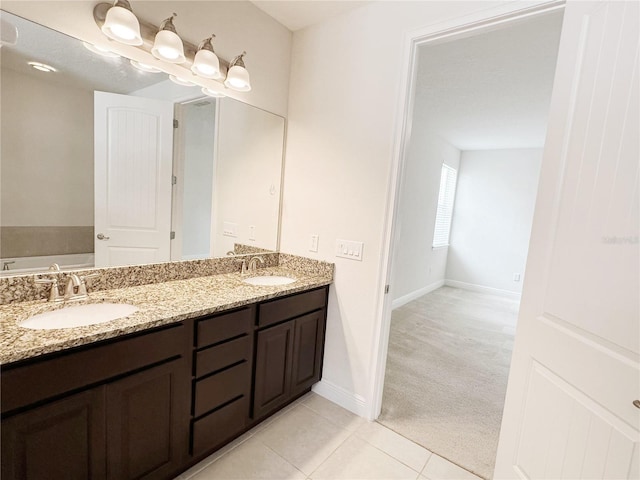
column 159, row 304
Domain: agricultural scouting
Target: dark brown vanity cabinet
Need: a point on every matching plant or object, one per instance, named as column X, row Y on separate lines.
column 222, row 366
column 289, row 353
column 128, row 420
column 150, row 404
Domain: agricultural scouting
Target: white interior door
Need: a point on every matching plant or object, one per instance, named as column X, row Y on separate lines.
column 569, row 409
column 133, row 157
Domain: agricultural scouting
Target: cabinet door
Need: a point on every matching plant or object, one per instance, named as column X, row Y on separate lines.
column 273, row 368
column 307, row 351
column 62, row 440
column 148, row 423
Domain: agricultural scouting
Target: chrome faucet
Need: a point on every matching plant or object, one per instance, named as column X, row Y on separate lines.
column 54, row 292
column 5, row 265
column 76, row 288
column 253, row 264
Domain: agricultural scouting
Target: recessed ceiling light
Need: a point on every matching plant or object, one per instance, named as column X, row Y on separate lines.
column 144, row 67
column 181, row 81
column 105, row 52
column 43, row 67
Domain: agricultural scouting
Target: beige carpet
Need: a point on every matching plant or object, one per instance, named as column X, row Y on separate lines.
column 449, row 354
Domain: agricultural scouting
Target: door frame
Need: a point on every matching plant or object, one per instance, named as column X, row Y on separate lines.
column 480, row 22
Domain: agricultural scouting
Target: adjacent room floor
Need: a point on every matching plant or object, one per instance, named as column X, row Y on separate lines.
column 446, row 377
column 314, row 438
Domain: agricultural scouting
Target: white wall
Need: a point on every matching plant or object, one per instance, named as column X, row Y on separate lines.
column 417, row 267
column 492, row 218
column 44, row 186
column 344, row 91
column 238, row 25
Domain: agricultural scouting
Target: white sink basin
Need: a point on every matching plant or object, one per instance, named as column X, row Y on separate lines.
column 79, row 316
column 269, row 280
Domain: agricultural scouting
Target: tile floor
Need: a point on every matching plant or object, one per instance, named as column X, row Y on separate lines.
column 314, row 438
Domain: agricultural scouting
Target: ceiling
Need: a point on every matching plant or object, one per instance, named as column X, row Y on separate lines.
column 490, row 91
column 299, row 14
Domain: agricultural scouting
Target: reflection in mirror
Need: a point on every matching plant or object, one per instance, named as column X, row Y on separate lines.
column 93, row 172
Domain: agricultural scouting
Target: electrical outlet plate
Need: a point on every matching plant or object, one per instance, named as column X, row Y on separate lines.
column 230, row 229
column 252, row 233
column 349, row 249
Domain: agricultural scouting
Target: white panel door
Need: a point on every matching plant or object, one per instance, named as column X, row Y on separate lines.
column 133, row 158
column 569, row 409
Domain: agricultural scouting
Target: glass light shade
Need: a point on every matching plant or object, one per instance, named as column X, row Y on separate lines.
column 122, row 25
column 181, row 81
column 206, row 64
column 168, row 47
column 144, row 67
column 238, row 79
column 8, row 33
column 212, row 93
column 105, row 52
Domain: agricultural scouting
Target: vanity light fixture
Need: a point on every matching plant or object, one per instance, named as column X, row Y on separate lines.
column 206, row 63
column 105, row 52
column 212, row 93
column 238, row 76
column 144, row 67
column 43, row 67
column 165, row 44
column 121, row 24
column 168, row 45
column 181, row 81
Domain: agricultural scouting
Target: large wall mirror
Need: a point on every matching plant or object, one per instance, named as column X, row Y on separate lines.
column 105, row 164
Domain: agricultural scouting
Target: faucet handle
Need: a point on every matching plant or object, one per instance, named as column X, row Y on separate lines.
column 54, row 293
column 82, row 288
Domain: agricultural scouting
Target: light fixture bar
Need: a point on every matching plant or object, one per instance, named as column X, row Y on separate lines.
column 148, row 32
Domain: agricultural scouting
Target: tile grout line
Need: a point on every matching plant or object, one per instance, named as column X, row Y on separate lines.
column 332, row 452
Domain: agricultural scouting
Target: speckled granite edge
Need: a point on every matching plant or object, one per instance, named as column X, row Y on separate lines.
column 23, row 289
column 159, row 304
column 307, row 265
column 242, row 249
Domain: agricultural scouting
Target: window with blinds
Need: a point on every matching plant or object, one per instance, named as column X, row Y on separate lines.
column 445, row 206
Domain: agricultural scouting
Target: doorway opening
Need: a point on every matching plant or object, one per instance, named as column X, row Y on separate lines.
column 463, row 219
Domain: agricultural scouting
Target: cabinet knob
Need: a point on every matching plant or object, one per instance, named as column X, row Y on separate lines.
column 636, row 403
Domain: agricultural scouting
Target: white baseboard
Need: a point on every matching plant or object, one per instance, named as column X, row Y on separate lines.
column 481, row 288
column 398, row 302
column 346, row 399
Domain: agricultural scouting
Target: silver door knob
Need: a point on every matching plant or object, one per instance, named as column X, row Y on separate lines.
column 101, row 236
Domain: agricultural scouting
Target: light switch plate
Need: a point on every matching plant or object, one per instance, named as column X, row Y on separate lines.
column 313, row 243
column 349, row 249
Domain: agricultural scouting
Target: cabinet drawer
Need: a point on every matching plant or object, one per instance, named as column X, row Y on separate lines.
column 75, row 369
column 292, row 306
column 222, row 327
column 213, row 391
column 223, row 355
column 211, row 431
